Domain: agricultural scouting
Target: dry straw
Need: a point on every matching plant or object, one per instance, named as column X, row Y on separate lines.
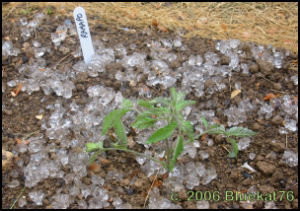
column 263, row 23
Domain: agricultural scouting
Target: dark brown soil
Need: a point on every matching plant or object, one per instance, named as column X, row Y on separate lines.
column 272, row 176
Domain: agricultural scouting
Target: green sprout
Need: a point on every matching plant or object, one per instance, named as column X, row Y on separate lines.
column 49, row 11
column 26, row 11
column 178, row 129
column 232, row 132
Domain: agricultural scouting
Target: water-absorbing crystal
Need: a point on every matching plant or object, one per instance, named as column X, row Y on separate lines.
column 74, row 191
column 278, row 60
column 95, row 203
column 192, row 60
column 23, row 21
column 245, row 68
column 39, row 52
column 209, row 175
column 82, row 204
column 117, row 202
column 177, row 42
column 60, row 35
column 22, row 202
column 211, row 58
column 247, row 166
column 37, row 197
column 141, row 159
column 238, row 114
column 204, row 155
column 100, row 194
column 290, row 158
column 97, row 180
column 158, row 202
column 60, row 201
column 150, row 167
column 190, row 150
column 266, row 110
column 295, row 80
column 85, row 191
column 243, row 143
column 25, row 33
column 63, row 157
column 192, row 178
column 8, row 49
column 200, row 169
column 270, row 205
column 36, row 43
column 210, row 142
column 290, row 124
column 167, row 43
column 234, row 61
column 22, row 148
column 252, row 155
column 14, row 183
column 136, row 59
column 202, row 204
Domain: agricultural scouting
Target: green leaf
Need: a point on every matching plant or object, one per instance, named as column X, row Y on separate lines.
column 234, row 149
column 121, row 112
column 178, row 150
column 173, row 93
column 108, row 121
column 127, row 104
column 162, row 100
column 176, row 98
column 145, row 114
column 182, row 104
column 180, row 97
column 217, row 130
column 114, row 115
column 116, row 145
column 216, row 125
column 143, row 123
column 94, row 156
column 90, row 147
column 145, row 104
column 162, row 133
column 187, row 128
column 240, row 132
column 160, row 111
column 120, row 131
column 49, row 11
column 204, row 122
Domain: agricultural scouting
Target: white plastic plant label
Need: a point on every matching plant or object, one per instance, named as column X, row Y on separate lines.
column 84, row 34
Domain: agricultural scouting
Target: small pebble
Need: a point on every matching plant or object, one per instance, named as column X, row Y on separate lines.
column 277, row 86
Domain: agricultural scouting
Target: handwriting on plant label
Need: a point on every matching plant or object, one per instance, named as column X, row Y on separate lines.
column 83, row 32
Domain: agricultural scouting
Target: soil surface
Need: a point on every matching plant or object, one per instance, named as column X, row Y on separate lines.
column 272, row 175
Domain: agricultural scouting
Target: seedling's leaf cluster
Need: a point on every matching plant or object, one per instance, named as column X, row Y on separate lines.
column 177, row 128
column 168, row 109
column 234, row 131
column 114, row 120
column 240, row 132
column 178, row 150
column 162, row 133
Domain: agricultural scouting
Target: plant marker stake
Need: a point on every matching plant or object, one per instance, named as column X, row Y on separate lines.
column 84, row 34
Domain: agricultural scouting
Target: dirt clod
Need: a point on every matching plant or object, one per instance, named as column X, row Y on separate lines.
column 266, row 167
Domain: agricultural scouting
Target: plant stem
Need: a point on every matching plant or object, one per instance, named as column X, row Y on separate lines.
column 168, row 154
column 18, row 197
